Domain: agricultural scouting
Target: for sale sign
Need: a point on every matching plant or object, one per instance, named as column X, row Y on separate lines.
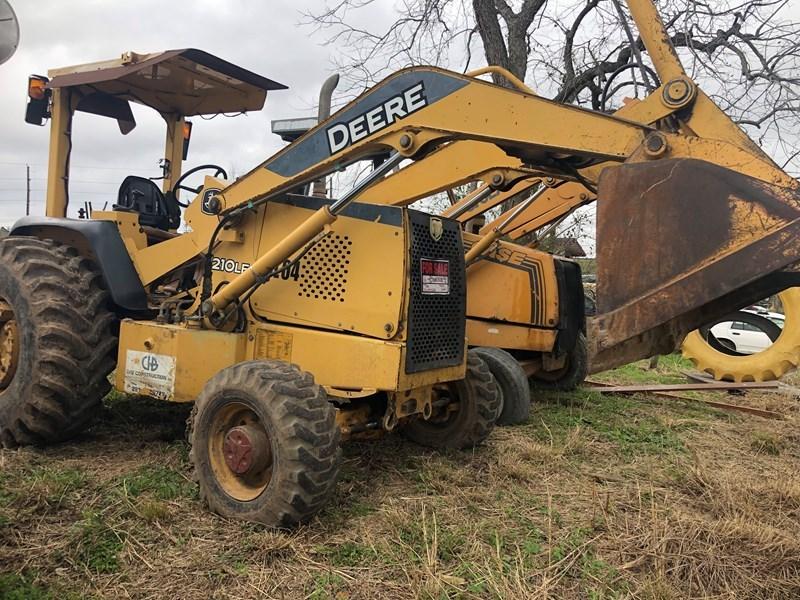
column 435, row 276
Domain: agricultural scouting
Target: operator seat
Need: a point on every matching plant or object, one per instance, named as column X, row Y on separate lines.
column 155, row 209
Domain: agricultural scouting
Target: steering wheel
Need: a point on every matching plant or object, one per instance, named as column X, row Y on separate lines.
column 179, row 184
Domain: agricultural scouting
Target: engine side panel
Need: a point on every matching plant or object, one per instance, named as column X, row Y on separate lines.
column 512, row 284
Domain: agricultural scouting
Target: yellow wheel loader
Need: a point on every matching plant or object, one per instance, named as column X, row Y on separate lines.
column 266, row 285
column 291, row 323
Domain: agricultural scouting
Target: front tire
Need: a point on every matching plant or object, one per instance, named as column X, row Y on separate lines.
column 265, row 444
column 476, row 402
column 58, row 341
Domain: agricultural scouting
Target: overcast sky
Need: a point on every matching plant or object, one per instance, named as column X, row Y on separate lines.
column 263, row 36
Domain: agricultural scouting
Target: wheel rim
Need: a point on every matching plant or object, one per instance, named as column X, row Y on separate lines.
column 9, row 344
column 240, row 451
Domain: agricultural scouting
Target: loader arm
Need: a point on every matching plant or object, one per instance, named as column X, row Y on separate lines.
column 445, row 167
column 450, row 165
column 418, row 108
column 555, row 203
column 411, row 112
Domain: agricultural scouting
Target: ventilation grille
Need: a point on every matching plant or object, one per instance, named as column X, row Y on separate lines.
column 324, row 270
column 435, row 322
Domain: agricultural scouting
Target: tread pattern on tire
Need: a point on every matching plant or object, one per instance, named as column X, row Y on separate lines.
column 513, row 384
column 310, row 439
column 477, row 424
column 488, row 400
column 72, row 335
column 770, row 364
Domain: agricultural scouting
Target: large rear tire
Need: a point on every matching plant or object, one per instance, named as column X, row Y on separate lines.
column 265, row 444
column 469, row 416
column 515, row 393
column 58, row 341
column 571, row 376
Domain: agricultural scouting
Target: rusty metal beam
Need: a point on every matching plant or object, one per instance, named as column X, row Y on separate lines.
column 688, row 387
column 653, row 390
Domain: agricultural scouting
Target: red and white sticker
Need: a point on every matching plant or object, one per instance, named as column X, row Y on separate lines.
column 435, row 276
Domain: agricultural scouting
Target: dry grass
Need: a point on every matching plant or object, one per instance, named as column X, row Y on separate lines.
column 593, row 498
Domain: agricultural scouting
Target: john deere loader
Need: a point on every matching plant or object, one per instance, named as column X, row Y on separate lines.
column 292, row 320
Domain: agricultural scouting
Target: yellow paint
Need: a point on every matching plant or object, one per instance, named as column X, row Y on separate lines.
column 509, row 336
column 199, row 354
column 348, row 362
column 354, row 279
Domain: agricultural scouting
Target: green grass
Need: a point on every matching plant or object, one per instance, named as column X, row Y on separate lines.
column 162, row 483
column 325, row 586
column 14, row 586
column 97, row 543
column 7, row 496
column 347, row 554
column 41, row 486
column 618, row 419
column 668, row 371
column 556, row 506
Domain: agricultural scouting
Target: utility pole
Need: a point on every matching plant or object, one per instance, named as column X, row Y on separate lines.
column 28, row 189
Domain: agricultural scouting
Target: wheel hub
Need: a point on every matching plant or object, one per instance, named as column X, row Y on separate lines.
column 246, row 449
column 9, row 345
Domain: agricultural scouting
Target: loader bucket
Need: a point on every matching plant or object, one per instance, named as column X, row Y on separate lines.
column 680, row 243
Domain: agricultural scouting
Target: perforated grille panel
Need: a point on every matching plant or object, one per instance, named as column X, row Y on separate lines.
column 324, row 270
column 435, row 321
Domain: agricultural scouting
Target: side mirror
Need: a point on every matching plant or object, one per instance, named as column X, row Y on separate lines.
column 38, row 109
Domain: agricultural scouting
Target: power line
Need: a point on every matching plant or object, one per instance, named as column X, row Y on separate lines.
column 70, row 179
column 72, row 191
column 129, row 168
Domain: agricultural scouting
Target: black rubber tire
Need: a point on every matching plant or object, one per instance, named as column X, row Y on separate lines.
column 515, row 393
column 68, row 341
column 479, row 406
column 571, row 376
column 301, row 425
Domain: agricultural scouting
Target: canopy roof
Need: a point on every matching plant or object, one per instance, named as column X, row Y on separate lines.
column 186, row 82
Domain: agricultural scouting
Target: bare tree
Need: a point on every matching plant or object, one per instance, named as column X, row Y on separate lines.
column 744, row 53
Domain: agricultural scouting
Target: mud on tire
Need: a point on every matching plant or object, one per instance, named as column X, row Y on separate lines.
column 301, row 433
column 65, row 341
column 479, row 406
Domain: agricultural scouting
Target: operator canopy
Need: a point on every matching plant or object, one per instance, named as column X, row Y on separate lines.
column 185, row 82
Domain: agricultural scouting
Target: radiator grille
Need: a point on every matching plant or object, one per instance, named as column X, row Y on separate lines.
column 435, row 321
